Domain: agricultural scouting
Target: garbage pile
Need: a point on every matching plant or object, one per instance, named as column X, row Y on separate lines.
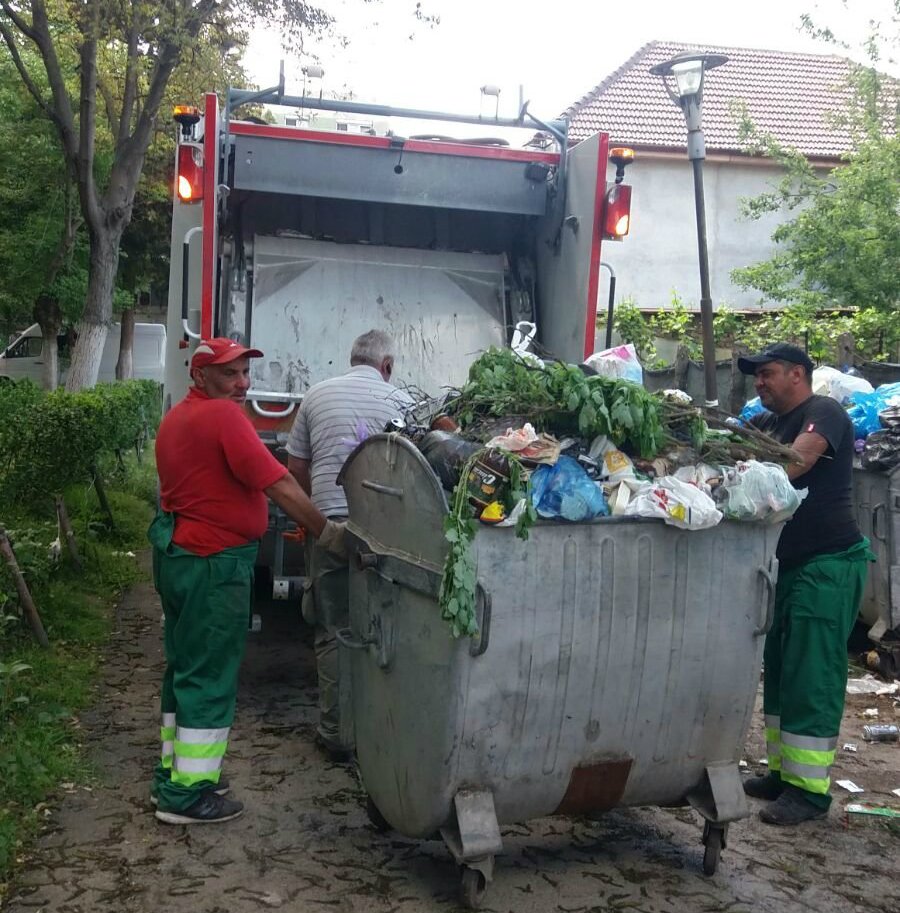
column 589, row 446
column 528, row 439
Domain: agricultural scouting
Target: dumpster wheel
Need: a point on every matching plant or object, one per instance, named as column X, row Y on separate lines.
column 472, row 888
column 713, row 841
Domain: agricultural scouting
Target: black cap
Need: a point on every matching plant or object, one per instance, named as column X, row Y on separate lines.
column 780, row 351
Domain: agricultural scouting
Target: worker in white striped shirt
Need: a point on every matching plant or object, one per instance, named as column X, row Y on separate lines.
column 334, row 415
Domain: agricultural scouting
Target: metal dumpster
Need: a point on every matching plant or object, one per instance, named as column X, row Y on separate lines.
column 616, row 665
column 877, row 497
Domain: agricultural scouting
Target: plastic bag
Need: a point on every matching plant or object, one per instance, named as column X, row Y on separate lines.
column 699, row 476
column 614, row 466
column 864, row 408
column 882, row 450
column 565, row 490
column 760, row 491
column 620, row 362
column 751, row 408
column 522, row 338
column 831, row 382
column 676, row 502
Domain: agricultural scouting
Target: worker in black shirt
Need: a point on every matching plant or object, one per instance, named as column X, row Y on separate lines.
column 822, row 571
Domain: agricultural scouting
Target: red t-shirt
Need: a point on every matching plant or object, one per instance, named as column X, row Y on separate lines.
column 212, row 471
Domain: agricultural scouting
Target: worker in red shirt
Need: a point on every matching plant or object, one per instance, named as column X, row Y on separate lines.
column 215, row 475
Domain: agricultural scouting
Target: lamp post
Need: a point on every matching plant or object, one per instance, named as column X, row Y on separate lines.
column 687, row 72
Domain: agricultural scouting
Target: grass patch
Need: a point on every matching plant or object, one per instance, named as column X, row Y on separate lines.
column 42, row 691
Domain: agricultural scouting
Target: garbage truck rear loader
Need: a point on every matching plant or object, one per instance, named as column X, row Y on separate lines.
column 295, row 241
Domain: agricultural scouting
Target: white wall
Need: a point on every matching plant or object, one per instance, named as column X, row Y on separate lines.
column 660, row 253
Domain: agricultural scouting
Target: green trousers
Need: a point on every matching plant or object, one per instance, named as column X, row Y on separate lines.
column 805, row 680
column 206, row 602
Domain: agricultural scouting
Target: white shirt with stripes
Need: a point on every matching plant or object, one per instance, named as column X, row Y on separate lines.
column 335, row 415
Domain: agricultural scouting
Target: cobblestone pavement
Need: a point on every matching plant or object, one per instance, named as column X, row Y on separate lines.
column 305, row 843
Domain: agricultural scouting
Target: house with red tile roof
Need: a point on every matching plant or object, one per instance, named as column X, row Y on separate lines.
column 797, row 98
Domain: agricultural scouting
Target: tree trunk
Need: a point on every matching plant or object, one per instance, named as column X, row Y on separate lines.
column 125, row 364
column 47, row 314
column 738, row 380
column 93, row 327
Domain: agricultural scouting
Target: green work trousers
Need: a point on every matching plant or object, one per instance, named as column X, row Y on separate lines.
column 206, row 602
column 816, row 604
column 327, row 605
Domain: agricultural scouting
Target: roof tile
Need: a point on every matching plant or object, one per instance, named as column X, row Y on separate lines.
column 795, row 97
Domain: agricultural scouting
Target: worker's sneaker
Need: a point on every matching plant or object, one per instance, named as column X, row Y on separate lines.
column 208, row 809
column 767, row 787
column 337, row 754
column 791, row 807
column 221, row 788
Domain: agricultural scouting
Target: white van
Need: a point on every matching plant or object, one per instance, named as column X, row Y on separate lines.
column 22, row 357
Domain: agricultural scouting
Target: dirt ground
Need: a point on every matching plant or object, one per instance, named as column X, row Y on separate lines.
column 305, row 843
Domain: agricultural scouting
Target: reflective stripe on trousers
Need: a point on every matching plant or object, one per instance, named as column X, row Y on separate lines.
column 806, row 761
column 198, row 754
column 773, row 741
column 167, row 737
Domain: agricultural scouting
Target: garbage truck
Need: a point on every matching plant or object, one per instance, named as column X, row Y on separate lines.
column 295, row 241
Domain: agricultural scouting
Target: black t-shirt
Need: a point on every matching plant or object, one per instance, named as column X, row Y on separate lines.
column 825, row 521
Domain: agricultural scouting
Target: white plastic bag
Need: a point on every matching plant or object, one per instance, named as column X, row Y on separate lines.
column 615, row 466
column 620, row 362
column 522, row 338
column 676, row 502
column 699, row 475
column 760, row 491
column 831, row 382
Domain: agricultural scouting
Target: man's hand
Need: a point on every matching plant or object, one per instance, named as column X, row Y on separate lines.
column 332, row 538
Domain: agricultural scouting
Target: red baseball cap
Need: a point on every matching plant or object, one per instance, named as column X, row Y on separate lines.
column 220, row 351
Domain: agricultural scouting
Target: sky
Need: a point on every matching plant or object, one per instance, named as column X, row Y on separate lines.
column 557, row 49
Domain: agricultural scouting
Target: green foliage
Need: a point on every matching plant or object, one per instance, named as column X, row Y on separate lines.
column 842, row 247
column 633, row 326
column 678, row 323
column 59, row 437
column 459, row 583
column 42, row 690
column 457, row 594
column 560, row 396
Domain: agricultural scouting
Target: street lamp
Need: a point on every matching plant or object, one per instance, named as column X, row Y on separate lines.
column 687, row 72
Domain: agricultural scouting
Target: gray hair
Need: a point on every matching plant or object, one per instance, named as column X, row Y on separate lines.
column 372, row 348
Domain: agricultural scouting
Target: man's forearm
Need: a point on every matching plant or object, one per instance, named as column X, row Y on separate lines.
column 291, row 498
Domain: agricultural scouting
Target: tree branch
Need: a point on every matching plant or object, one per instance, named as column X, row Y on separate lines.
column 25, row 76
column 109, row 103
column 62, row 117
column 18, row 21
column 87, row 125
column 131, row 79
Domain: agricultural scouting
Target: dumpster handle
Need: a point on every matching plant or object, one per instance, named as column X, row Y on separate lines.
column 768, row 577
column 876, row 511
column 479, row 647
column 382, row 489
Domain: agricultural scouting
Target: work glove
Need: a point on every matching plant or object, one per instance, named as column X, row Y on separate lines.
column 332, row 539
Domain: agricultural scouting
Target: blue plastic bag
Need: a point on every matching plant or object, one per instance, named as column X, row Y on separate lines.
column 864, row 408
column 565, row 490
column 751, row 408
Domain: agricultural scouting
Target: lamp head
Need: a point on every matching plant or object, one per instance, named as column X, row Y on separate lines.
column 688, row 71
